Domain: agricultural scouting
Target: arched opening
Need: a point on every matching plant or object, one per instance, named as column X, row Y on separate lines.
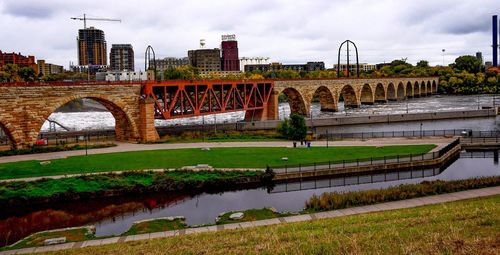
column 295, row 102
column 366, row 95
column 380, row 94
column 434, row 87
column 422, row 89
column 409, row 90
column 348, row 96
column 391, row 92
column 6, row 139
column 416, row 90
column 401, row 91
column 325, row 98
column 429, row 88
column 91, row 118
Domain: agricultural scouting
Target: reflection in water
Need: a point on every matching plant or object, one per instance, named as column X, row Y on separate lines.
column 115, row 216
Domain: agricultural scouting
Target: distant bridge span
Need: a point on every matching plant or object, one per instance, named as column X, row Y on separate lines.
column 24, row 107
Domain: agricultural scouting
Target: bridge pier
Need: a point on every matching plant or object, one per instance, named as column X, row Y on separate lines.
column 147, row 130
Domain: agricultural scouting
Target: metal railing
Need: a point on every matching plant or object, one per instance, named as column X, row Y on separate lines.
column 75, row 137
column 359, row 162
column 410, row 133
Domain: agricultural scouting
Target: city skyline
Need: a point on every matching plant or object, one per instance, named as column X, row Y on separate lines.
column 286, row 32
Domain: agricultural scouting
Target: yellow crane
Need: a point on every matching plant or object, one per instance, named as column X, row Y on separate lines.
column 101, row 19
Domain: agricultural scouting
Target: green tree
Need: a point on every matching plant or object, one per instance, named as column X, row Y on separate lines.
column 11, row 72
column 294, row 128
column 27, row 74
column 423, row 63
column 467, row 63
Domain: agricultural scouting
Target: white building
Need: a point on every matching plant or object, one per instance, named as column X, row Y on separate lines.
column 253, row 61
column 363, row 67
column 121, row 76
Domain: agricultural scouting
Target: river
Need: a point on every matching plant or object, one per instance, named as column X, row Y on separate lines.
column 105, row 120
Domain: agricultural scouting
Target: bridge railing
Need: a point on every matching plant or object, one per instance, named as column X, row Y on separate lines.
column 360, row 162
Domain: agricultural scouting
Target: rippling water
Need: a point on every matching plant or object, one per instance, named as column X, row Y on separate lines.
column 103, row 120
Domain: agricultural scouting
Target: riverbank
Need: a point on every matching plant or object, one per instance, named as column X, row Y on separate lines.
column 87, row 187
column 457, row 227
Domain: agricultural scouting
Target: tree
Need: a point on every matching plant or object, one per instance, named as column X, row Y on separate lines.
column 294, row 128
column 27, row 74
column 467, row 63
column 11, row 72
column 423, row 63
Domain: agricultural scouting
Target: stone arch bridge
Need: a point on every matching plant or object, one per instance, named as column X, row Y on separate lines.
column 24, row 107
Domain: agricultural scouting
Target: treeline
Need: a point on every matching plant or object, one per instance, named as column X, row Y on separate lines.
column 15, row 73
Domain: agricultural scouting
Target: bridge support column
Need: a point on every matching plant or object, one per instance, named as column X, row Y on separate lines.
column 147, row 130
column 270, row 111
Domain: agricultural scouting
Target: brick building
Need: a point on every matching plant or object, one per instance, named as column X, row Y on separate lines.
column 18, row 59
column 206, row 60
column 230, row 60
column 121, row 57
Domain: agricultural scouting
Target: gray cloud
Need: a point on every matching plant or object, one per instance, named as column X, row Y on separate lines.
column 287, row 31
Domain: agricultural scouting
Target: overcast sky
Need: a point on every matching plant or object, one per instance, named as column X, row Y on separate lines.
column 288, row 31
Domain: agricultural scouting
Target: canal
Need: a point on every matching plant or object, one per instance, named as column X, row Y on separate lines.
column 114, row 216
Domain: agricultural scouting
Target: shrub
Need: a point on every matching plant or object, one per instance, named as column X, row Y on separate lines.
column 335, row 200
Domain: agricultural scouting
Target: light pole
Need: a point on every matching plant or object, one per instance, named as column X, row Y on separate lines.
column 327, row 138
column 203, row 127
column 443, row 50
column 421, row 124
column 406, row 105
column 86, row 141
column 478, row 103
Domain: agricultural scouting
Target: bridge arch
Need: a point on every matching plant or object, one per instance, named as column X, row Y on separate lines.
column 409, row 90
column 391, row 92
column 366, row 95
column 349, row 95
column 380, row 96
column 401, row 91
column 429, row 88
column 10, row 134
column 416, row 89
column 423, row 91
column 326, row 99
column 126, row 128
column 434, row 87
column 296, row 101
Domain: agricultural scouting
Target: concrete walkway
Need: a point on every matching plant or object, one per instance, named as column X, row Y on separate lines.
column 124, row 147
column 409, row 203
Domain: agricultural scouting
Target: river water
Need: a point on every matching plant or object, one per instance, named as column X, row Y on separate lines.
column 105, row 120
column 114, row 216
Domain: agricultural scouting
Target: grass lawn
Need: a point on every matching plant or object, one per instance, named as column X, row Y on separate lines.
column 217, row 157
column 72, row 235
column 157, row 225
column 462, row 227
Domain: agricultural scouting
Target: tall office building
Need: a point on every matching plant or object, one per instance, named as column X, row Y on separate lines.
column 230, row 60
column 91, row 47
column 479, row 56
column 121, row 57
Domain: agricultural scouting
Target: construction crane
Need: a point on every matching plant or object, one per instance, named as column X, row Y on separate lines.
column 85, row 19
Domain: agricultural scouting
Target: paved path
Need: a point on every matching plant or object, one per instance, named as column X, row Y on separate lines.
column 409, row 203
column 123, row 147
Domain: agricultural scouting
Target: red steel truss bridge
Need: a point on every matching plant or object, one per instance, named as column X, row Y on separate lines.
column 184, row 98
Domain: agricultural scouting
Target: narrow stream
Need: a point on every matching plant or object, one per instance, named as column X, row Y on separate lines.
column 116, row 215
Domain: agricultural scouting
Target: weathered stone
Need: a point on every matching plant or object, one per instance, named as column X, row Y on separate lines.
column 236, row 216
column 53, row 241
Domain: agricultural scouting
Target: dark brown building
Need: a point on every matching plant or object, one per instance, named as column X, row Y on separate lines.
column 121, row 57
column 18, row 59
column 206, row 60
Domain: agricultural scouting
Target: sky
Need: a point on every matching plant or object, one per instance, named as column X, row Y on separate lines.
column 287, row 31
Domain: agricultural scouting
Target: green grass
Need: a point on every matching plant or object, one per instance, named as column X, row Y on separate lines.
column 37, row 239
column 217, row 157
column 158, row 225
column 251, row 215
column 225, row 136
column 55, row 148
column 69, row 187
column 462, row 227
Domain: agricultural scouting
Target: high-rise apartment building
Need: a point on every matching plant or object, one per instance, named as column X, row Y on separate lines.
column 230, row 59
column 206, row 60
column 169, row 62
column 121, row 57
column 91, row 47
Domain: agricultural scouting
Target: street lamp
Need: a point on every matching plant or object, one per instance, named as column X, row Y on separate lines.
column 421, row 124
column 443, row 50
